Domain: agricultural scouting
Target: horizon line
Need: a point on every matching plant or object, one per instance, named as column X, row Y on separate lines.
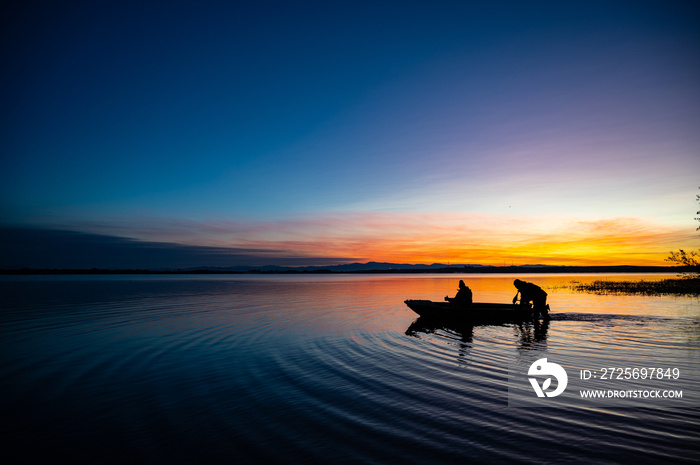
column 347, row 269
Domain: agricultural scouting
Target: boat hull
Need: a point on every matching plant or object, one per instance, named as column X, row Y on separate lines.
column 479, row 312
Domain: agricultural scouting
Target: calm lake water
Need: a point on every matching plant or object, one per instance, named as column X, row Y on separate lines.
column 329, row 369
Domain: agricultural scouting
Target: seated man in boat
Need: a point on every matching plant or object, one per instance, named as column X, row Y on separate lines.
column 463, row 299
column 532, row 293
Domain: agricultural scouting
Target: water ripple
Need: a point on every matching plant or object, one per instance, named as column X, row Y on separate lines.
column 189, row 371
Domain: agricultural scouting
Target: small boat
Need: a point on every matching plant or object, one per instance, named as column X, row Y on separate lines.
column 477, row 313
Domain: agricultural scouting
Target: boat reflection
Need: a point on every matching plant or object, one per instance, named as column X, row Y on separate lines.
column 460, row 335
column 464, row 331
column 531, row 335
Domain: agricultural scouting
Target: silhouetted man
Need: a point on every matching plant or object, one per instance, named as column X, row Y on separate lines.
column 463, row 299
column 532, row 293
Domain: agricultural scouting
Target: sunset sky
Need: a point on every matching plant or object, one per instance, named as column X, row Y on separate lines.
column 300, row 133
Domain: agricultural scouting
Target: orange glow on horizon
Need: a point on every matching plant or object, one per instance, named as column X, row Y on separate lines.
column 483, row 239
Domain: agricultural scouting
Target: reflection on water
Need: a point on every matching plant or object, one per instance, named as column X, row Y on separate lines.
column 314, row 369
column 531, row 335
column 428, row 326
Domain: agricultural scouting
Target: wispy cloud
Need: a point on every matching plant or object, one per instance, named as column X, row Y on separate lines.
column 42, row 248
column 414, row 238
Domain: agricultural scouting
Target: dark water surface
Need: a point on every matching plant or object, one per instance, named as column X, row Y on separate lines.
column 323, row 369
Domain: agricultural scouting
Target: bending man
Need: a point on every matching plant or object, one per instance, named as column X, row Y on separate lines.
column 532, row 293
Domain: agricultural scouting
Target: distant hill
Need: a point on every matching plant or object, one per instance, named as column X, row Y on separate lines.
column 383, row 267
column 345, row 268
column 370, row 267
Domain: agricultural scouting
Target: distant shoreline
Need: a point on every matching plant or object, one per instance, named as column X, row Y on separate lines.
column 413, row 270
column 678, row 286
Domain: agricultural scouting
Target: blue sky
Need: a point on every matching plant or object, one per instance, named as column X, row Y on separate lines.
column 231, row 124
